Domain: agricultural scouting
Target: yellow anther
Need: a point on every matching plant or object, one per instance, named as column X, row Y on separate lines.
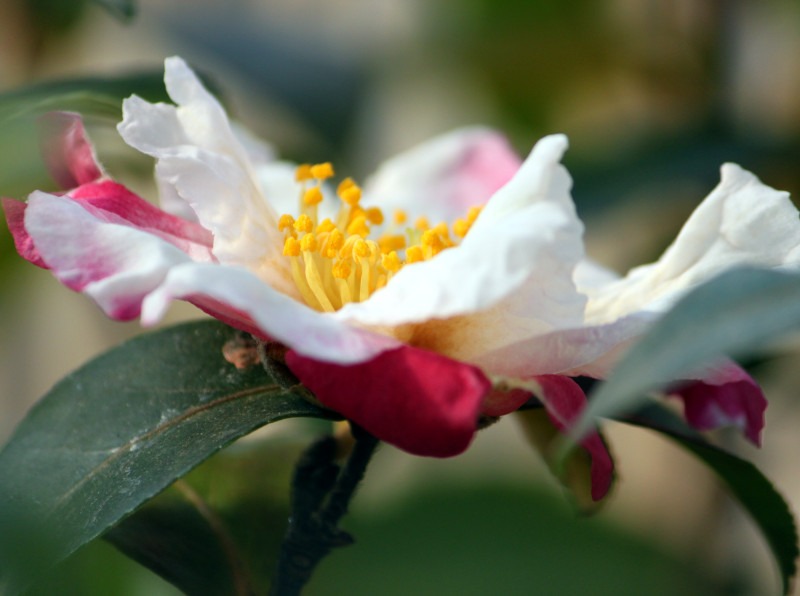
column 356, row 211
column 326, row 226
column 381, row 282
column 309, row 242
column 361, row 249
column 322, row 170
column 335, row 242
column 375, row 216
column 432, row 241
column 391, row 262
column 390, row 242
column 351, row 195
column 414, row 254
column 422, row 223
column 344, row 185
column 441, row 229
column 304, row 224
column 286, row 221
column 399, row 217
column 461, row 227
column 347, row 248
column 358, row 227
column 313, row 196
column 342, row 269
column 473, row 213
column 303, row 173
column 291, row 247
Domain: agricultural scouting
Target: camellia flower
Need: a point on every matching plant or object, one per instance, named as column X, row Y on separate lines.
column 451, row 286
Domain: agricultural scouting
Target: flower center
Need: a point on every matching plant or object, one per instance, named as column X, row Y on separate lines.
column 336, row 262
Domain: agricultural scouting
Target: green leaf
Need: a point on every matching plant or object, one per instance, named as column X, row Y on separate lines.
column 118, row 431
column 732, row 314
column 219, row 529
column 747, row 484
column 124, row 10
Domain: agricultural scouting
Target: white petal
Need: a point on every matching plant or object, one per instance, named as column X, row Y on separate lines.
column 202, row 162
column 742, row 222
column 443, row 177
column 529, row 244
column 308, row 332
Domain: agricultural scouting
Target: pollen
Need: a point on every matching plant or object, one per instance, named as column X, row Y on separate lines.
column 312, row 196
column 291, row 247
column 303, row 172
column 358, row 227
column 334, row 261
column 321, row 171
column 304, row 223
column 308, row 243
column 375, row 216
column 351, row 195
column 286, row 221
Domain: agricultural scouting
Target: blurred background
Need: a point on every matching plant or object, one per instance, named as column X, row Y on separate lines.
column 654, row 95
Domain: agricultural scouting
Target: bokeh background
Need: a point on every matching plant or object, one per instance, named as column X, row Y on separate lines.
column 654, row 95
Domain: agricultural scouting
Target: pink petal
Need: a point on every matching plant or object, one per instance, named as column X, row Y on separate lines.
column 564, row 401
column 419, row 401
column 445, row 176
column 728, row 397
column 66, row 150
column 114, row 203
column 116, row 265
column 15, row 217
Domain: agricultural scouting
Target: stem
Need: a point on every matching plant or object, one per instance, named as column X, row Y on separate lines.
column 321, row 494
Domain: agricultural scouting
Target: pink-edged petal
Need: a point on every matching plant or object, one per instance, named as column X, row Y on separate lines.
column 726, row 397
column 66, row 149
column 116, row 265
column 239, row 295
column 445, row 176
column 564, row 401
column 114, row 203
column 528, row 245
column 15, row 217
column 421, row 402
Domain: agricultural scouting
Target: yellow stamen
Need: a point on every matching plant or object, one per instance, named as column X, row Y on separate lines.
column 326, row 226
column 422, row 223
column 344, row 185
column 308, row 243
column 303, row 173
column 342, row 269
column 390, row 242
column 399, row 217
column 291, row 247
column 375, row 216
column 460, row 228
column 432, row 243
column 321, row 171
column 391, row 262
column 304, row 224
column 414, row 254
column 358, row 227
column 351, row 195
column 286, row 221
column 313, row 196
column 473, row 213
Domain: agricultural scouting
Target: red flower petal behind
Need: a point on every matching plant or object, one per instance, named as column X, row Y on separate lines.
column 564, row 400
column 419, row 401
column 66, row 150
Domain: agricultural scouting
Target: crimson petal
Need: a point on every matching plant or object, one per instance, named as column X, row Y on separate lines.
column 420, row 401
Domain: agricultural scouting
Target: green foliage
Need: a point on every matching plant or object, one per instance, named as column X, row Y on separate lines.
column 124, row 10
column 749, row 486
column 118, row 431
column 732, row 314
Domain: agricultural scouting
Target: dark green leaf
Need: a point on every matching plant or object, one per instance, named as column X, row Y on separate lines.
column 124, row 10
column 747, row 484
column 218, row 530
column 734, row 313
column 118, row 431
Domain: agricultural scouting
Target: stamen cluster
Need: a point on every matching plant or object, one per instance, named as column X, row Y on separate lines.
column 334, row 261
